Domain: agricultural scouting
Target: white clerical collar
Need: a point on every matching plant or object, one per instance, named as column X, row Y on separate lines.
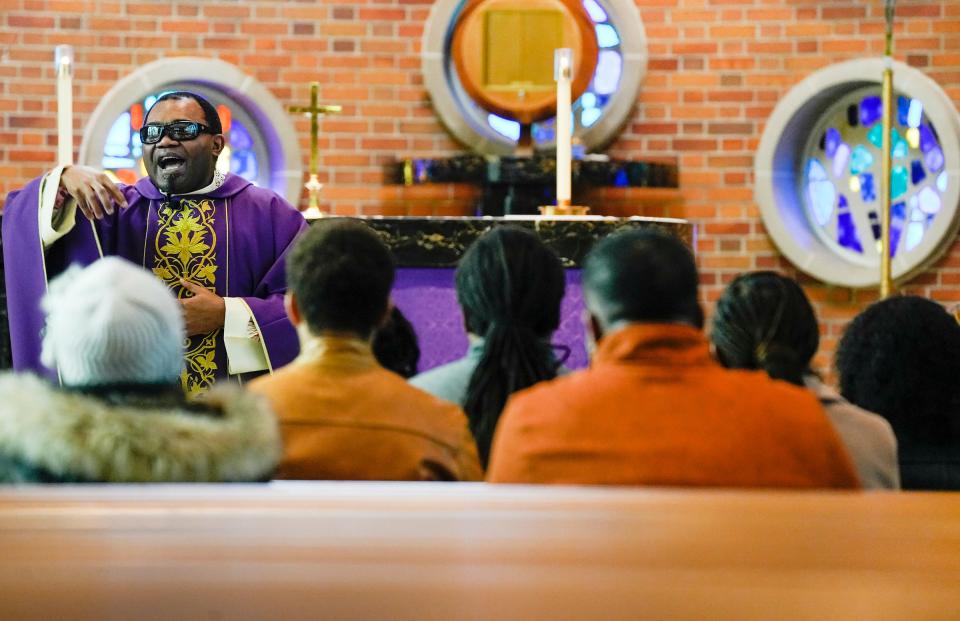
column 218, row 179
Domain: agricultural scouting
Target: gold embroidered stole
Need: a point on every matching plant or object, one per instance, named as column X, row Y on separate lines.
column 185, row 247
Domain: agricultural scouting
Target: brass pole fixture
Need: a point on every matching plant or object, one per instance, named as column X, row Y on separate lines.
column 886, row 276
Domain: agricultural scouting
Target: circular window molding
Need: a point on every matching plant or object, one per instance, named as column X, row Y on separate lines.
column 269, row 116
column 778, row 171
column 468, row 123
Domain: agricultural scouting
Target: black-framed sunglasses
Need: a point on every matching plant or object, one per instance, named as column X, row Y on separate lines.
column 180, row 131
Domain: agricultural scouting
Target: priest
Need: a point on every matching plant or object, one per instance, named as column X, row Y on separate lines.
column 215, row 239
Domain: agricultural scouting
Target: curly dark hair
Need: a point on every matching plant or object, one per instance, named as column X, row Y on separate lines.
column 900, row 358
column 763, row 320
column 341, row 274
column 509, row 285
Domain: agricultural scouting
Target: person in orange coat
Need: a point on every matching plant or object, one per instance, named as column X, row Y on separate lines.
column 655, row 408
column 342, row 415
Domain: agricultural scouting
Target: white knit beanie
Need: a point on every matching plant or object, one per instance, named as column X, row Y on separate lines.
column 112, row 322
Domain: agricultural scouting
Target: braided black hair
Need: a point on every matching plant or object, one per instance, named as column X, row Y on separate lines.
column 509, row 285
column 763, row 320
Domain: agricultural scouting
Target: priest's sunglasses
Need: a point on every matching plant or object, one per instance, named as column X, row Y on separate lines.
column 180, row 131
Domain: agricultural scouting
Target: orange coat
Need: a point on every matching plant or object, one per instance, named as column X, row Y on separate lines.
column 656, row 409
column 344, row 417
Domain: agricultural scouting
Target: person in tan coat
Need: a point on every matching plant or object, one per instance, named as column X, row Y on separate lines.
column 655, row 408
column 342, row 415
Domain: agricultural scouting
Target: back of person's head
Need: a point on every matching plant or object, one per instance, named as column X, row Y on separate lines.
column 900, row 358
column 112, row 323
column 340, row 274
column 395, row 345
column 641, row 276
column 763, row 320
column 509, row 285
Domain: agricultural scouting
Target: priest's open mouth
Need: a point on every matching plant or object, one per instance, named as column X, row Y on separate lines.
column 169, row 163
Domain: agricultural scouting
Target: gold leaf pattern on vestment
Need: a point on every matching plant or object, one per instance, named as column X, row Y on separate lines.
column 185, row 247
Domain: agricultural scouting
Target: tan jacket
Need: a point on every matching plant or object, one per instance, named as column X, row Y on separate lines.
column 344, row 417
column 656, row 409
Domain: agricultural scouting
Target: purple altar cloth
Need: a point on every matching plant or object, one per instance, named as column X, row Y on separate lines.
column 428, row 299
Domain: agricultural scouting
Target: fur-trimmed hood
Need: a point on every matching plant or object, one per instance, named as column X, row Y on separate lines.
column 51, row 434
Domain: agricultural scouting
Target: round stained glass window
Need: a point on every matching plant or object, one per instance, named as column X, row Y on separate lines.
column 597, row 114
column 123, row 153
column 841, row 176
column 818, row 178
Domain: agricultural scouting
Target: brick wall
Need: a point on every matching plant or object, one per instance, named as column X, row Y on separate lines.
column 717, row 68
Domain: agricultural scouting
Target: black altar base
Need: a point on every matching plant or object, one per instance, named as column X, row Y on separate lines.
column 519, row 185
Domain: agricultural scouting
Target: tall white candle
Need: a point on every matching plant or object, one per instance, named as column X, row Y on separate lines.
column 64, row 62
column 563, row 69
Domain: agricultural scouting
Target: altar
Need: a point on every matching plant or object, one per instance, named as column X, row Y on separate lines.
column 428, row 249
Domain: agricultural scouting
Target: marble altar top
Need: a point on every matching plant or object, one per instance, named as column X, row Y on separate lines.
column 441, row 241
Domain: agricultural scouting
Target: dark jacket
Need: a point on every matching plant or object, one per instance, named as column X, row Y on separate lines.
column 50, row 435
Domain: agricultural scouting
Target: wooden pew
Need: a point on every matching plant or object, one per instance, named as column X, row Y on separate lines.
column 468, row 551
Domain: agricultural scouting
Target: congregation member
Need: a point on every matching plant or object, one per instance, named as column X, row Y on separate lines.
column 764, row 321
column 900, row 358
column 214, row 238
column 654, row 408
column 509, row 285
column 116, row 334
column 342, row 415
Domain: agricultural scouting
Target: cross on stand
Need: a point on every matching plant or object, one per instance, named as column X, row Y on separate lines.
column 314, row 111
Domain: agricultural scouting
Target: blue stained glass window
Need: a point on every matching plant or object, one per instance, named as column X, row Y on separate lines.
column 874, row 218
column 928, row 201
column 903, row 110
column 898, row 220
column 847, row 143
column 822, row 192
column 934, row 159
column 871, row 109
column 609, row 68
column 917, row 174
column 831, row 140
column 847, row 228
column 915, row 113
column 118, row 138
column 506, row 127
column 590, row 116
column 898, row 182
column 868, row 192
column 607, row 36
column 860, row 160
column 595, row 11
column 840, row 161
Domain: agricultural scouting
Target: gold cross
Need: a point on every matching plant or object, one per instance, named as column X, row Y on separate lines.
column 314, row 111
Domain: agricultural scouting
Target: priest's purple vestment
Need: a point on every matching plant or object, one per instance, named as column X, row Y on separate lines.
column 232, row 241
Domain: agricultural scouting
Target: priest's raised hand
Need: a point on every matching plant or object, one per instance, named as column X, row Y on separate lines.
column 96, row 194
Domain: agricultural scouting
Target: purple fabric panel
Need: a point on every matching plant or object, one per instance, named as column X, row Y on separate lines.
column 427, row 297
column 23, row 258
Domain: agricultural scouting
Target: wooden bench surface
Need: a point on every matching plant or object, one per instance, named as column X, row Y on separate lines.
column 469, row 551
